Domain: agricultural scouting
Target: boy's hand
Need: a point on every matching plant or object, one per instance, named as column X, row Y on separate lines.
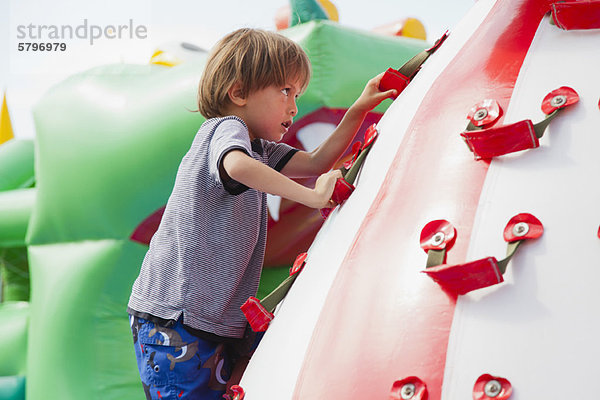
column 372, row 96
column 324, row 189
column 256, row 175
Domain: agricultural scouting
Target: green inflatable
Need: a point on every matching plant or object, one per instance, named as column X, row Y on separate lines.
column 108, row 145
column 17, row 197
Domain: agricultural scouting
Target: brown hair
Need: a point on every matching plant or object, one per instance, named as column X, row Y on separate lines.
column 253, row 57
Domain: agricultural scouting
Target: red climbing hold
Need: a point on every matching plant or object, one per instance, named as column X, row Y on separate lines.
column 485, row 112
column 409, row 388
column 257, row 315
column 438, row 42
column 342, row 191
column 238, row 392
column 523, row 226
column 370, row 135
column 559, row 98
column 463, row 278
column 437, row 235
column 356, row 148
column 325, row 212
column 497, row 141
column 298, row 263
column 393, row 79
column 576, row 14
column 488, row 387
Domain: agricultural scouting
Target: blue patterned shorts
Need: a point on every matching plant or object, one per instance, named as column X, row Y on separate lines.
column 174, row 364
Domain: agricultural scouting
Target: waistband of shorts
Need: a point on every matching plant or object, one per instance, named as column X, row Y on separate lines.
column 169, row 323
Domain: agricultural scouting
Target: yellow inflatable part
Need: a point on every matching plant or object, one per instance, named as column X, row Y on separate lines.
column 161, row 58
column 407, row 27
column 330, row 10
column 413, row 28
column 6, row 132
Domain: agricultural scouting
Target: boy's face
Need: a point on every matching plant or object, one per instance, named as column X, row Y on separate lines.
column 269, row 112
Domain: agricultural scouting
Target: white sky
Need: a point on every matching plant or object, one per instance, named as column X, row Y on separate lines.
column 27, row 75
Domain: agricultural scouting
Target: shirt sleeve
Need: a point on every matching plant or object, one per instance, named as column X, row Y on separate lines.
column 278, row 154
column 229, row 134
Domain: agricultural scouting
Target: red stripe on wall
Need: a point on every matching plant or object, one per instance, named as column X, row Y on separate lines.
column 383, row 320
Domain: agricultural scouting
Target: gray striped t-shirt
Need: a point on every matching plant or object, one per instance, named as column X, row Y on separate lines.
column 206, row 257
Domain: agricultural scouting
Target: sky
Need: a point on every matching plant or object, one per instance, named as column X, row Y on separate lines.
column 26, row 75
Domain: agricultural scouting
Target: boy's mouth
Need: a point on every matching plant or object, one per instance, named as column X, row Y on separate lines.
column 286, row 124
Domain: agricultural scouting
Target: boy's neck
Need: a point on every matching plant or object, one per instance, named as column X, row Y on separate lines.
column 238, row 112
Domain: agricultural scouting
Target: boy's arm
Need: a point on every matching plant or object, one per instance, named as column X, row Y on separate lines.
column 324, row 157
column 252, row 173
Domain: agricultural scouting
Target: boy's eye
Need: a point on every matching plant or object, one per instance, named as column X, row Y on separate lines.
column 286, row 91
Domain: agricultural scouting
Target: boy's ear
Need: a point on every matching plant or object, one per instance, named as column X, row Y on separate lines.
column 236, row 94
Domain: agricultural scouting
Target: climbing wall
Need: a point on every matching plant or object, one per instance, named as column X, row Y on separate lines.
column 362, row 320
column 539, row 325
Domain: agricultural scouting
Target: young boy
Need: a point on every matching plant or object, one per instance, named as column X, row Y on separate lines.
column 206, row 257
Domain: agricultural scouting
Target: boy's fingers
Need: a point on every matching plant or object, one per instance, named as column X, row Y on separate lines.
column 390, row 93
column 334, row 174
column 386, row 95
column 378, row 78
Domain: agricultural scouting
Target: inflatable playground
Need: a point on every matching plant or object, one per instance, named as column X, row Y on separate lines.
column 459, row 265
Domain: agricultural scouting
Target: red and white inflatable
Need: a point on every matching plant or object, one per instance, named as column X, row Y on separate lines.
column 362, row 320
